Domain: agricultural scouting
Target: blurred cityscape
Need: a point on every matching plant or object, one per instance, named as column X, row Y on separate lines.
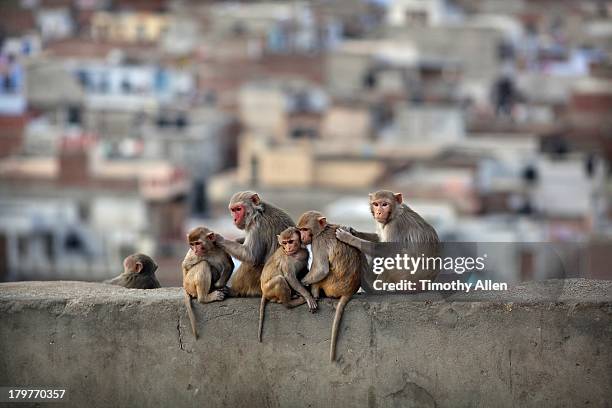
column 123, row 123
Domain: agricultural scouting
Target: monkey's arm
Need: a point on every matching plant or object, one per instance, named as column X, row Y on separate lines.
column 368, row 236
column 320, row 266
column 365, row 246
column 226, row 272
column 241, row 252
column 295, row 284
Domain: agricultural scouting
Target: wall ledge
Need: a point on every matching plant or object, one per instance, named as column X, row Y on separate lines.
column 538, row 344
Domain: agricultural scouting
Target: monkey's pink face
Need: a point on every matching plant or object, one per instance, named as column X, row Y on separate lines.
column 197, row 247
column 306, row 236
column 238, row 215
column 291, row 245
column 381, row 209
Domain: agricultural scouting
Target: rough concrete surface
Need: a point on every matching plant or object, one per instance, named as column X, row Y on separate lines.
column 539, row 344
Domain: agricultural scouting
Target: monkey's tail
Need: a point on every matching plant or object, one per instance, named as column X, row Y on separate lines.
column 190, row 313
column 262, row 309
column 334, row 337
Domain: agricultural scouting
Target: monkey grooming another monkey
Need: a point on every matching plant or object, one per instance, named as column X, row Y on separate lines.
column 138, row 273
column 395, row 222
column 336, row 267
column 262, row 222
column 282, row 272
column 206, row 270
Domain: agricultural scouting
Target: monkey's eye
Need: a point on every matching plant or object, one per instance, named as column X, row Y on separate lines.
column 290, row 241
column 375, row 204
column 385, row 204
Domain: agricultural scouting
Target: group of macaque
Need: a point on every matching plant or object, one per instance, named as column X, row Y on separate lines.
column 274, row 258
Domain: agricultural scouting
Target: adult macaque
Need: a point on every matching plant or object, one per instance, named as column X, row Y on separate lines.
column 336, row 267
column 206, row 270
column 262, row 222
column 138, row 273
column 398, row 223
column 282, row 272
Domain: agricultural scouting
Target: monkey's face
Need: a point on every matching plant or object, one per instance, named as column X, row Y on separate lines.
column 200, row 246
column 381, row 210
column 306, row 235
column 291, row 244
column 238, row 212
column 310, row 224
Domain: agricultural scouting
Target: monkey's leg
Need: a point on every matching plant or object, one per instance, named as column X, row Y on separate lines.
column 295, row 302
column 334, row 336
column 262, row 309
column 203, row 282
column 190, row 314
column 246, row 281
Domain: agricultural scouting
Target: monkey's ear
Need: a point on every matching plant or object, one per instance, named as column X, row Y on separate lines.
column 210, row 236
column 398, row 197
column 255, row 199
column 322, row 221
column 138, row 267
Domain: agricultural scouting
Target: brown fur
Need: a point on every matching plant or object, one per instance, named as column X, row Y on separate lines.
column 138, row 273
column 281, row 274
column 403, row 225
column 263, row 221
column 336, row 267
column 204, row 277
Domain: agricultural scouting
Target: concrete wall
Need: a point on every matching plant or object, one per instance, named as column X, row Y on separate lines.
column 546, row 344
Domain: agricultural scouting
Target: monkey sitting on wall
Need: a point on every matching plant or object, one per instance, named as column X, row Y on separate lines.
column 282, row 272
column 336, row 267
column 261, row 222
column 206, row 270
column 398, row 223
column 138, row 273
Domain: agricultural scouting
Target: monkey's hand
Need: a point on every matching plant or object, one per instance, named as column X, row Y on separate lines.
column 218, row 295
column 223, row 288
column 312, row 304
column 345, row 236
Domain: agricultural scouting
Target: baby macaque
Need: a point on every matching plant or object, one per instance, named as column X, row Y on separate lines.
column 206, row 270
column 138, row 273
column 282, row 272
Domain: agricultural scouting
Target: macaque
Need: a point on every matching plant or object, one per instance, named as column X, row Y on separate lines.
column 206, row 270
column 138, row 273
column 282, row 272
column 336, row 267
column 395, row 222
column 262, row 222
